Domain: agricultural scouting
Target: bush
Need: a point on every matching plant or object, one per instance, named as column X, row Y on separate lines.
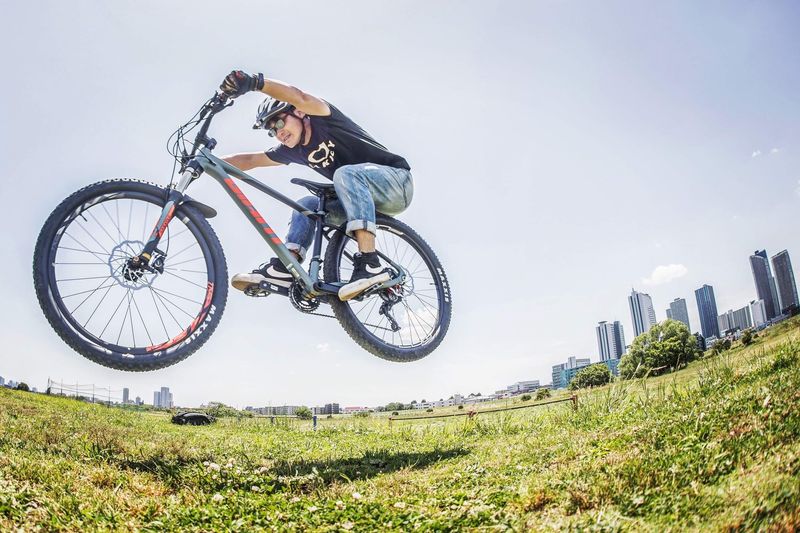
column 747, row 337
column 541, row 394
column 303, row 413
column 525, row 397
column 394, row 413
column 721, row 346
column 665, row 346
column 594, row 375
column 23, row 387
column 362, row 414
column 429, row 410
column 461, row 406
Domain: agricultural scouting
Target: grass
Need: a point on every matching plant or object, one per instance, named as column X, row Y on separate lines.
column 712, row 447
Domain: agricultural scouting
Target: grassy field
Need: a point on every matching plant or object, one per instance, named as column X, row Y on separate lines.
column 712, row 447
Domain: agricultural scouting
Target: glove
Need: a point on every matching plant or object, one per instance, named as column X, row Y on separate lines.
column 239, row 82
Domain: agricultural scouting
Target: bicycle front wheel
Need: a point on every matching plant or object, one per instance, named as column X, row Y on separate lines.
column 116, row 315
column 421, row 307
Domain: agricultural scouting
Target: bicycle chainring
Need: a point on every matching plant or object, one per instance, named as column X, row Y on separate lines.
column 300, row 302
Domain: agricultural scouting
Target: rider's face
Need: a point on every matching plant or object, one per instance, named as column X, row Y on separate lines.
column 289, row 135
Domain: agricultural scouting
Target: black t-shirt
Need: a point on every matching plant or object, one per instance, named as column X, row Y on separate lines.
column 336, row 141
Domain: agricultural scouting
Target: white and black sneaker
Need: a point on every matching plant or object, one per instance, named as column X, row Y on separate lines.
column 274, row 274
column 367, row 272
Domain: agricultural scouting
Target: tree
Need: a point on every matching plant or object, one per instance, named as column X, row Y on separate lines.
column 747, row 337
column 23, row 387
column 525, row 397
column 665, row 346
column 303, row 413
column 394, row 406
column 594, row 375
column 541, row 394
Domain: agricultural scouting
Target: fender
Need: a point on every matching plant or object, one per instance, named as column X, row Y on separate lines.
column 206, row 210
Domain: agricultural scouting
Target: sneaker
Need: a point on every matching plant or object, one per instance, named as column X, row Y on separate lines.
column 367, row 272
column 274, row 274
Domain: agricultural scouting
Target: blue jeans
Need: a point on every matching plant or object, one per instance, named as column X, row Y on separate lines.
column 361, row 190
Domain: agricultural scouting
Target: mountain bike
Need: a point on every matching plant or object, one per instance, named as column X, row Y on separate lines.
column 131, row 274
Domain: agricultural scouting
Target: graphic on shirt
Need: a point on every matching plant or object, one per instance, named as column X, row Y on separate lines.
column 323, row 156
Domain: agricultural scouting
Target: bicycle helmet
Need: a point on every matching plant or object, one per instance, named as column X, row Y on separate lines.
column 268, row 109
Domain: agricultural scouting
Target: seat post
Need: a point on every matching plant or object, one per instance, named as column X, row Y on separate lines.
column 313, row 267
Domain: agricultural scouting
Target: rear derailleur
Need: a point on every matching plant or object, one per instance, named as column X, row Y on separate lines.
column 390, row 297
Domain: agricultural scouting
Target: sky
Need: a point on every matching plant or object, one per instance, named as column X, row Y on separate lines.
column 563, row 153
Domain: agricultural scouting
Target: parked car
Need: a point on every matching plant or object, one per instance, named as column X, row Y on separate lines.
column 193, row 418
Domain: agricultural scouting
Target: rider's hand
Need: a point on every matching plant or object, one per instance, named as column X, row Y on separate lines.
column 239, row 82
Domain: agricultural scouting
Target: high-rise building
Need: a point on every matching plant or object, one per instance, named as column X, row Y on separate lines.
column 733, row 320
column 610, row 340
column 156, row 399
column 166, row 398
column 784, row 277
column 138, row 400
column 677, row 311
column 2, row 381
column 758, row 313
column 707, row 308
column 765, row 283
column 643, row 315
column 126, row 395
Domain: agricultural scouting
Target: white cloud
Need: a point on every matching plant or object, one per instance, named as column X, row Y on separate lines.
column 323, row 347
column 797, row 190
column 665, row 273
column 756, row 153
column 775, row 150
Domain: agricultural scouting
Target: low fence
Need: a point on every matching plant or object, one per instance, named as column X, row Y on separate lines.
column 473, row 414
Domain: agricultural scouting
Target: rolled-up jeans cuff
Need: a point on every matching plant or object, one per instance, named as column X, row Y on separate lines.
column 297, row 248
column 360, row 224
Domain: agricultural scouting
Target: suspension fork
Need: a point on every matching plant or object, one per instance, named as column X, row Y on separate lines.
column 174, row 198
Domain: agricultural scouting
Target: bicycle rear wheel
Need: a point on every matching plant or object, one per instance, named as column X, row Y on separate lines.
column 115, row 315
column 424, row 308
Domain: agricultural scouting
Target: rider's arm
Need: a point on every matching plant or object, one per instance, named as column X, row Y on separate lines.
column 308, row 104
column 250, row 160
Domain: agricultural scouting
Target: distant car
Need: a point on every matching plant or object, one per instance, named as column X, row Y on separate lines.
column 193, row 418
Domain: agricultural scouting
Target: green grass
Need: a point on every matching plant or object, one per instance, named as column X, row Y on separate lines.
column 712, row 447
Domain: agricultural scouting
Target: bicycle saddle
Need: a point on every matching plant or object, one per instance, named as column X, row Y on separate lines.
column 317, row 189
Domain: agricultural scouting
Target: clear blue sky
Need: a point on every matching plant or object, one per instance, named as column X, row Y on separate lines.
column 562, row 151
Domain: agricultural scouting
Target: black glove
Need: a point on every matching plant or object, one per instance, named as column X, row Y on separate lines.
column 239, row 82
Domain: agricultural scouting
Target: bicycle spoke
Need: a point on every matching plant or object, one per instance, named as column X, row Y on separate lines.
column 187, row 261
column 114, row 313
column 152, row 294
column 184, row 279
column 81, row 279
column 176, row 306
column 99, row 304
column 139, row 312
column 86, row 248
column 176, row 295
column 124, row 318
column 173, row 256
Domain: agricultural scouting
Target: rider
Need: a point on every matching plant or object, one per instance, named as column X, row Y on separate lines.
column 366, row 176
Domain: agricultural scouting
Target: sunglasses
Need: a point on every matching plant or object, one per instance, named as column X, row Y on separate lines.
column 277, row 125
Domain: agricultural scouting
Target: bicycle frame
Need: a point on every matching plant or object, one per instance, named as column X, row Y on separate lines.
column 224, row 173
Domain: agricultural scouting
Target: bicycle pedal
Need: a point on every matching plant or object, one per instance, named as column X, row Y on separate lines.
column 255, row 291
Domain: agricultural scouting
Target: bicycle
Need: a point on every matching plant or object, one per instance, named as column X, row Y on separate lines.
column 136, row 295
